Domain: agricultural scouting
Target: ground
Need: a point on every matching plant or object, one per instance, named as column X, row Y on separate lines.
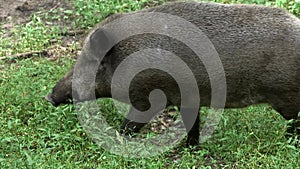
column 16, row 15
column 18, row 11
column 34, row 134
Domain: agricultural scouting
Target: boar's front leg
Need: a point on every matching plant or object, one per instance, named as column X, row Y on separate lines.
column 287, row 103
column 134, row 121
column 130, row 127
column 293, row 115
column 290, row 112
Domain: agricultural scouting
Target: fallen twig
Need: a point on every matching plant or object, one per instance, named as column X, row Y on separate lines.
column 73, row 33
column 25, row 55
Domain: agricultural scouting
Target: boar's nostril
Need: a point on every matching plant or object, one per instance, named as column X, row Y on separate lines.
column 49, row 99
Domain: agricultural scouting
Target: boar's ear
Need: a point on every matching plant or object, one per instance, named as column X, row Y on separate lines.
column 100, row 41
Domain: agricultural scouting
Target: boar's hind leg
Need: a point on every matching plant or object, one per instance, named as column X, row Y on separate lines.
column 191, row 123
column 193, row 134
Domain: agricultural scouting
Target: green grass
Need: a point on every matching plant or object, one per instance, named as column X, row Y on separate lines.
column 90, row 12
column 34, row 134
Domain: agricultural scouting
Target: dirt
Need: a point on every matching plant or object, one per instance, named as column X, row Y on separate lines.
column 14, row 12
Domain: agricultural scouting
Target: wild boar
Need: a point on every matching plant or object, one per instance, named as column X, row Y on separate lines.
column 258, row 46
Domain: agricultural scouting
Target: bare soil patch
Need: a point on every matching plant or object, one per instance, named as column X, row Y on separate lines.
column 14, row 12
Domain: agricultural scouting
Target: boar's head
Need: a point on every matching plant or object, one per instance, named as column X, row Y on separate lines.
column 62, row 92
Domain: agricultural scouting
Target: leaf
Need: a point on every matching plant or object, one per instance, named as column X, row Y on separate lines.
column 29, row 159
column 68, row 12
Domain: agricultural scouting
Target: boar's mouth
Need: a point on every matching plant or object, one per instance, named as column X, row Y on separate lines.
column 49, row 99
column 57, row 101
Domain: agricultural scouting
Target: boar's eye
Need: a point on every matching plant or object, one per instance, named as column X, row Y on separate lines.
column 102, row 63
column 102, row 66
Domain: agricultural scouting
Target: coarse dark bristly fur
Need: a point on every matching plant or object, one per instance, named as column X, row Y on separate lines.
column 259, row 47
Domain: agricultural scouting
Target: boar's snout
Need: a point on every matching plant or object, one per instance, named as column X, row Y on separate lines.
column 49, row 99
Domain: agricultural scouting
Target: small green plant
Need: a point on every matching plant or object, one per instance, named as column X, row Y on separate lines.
column 292, row 6
column 91, row 12
column 32, row 36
